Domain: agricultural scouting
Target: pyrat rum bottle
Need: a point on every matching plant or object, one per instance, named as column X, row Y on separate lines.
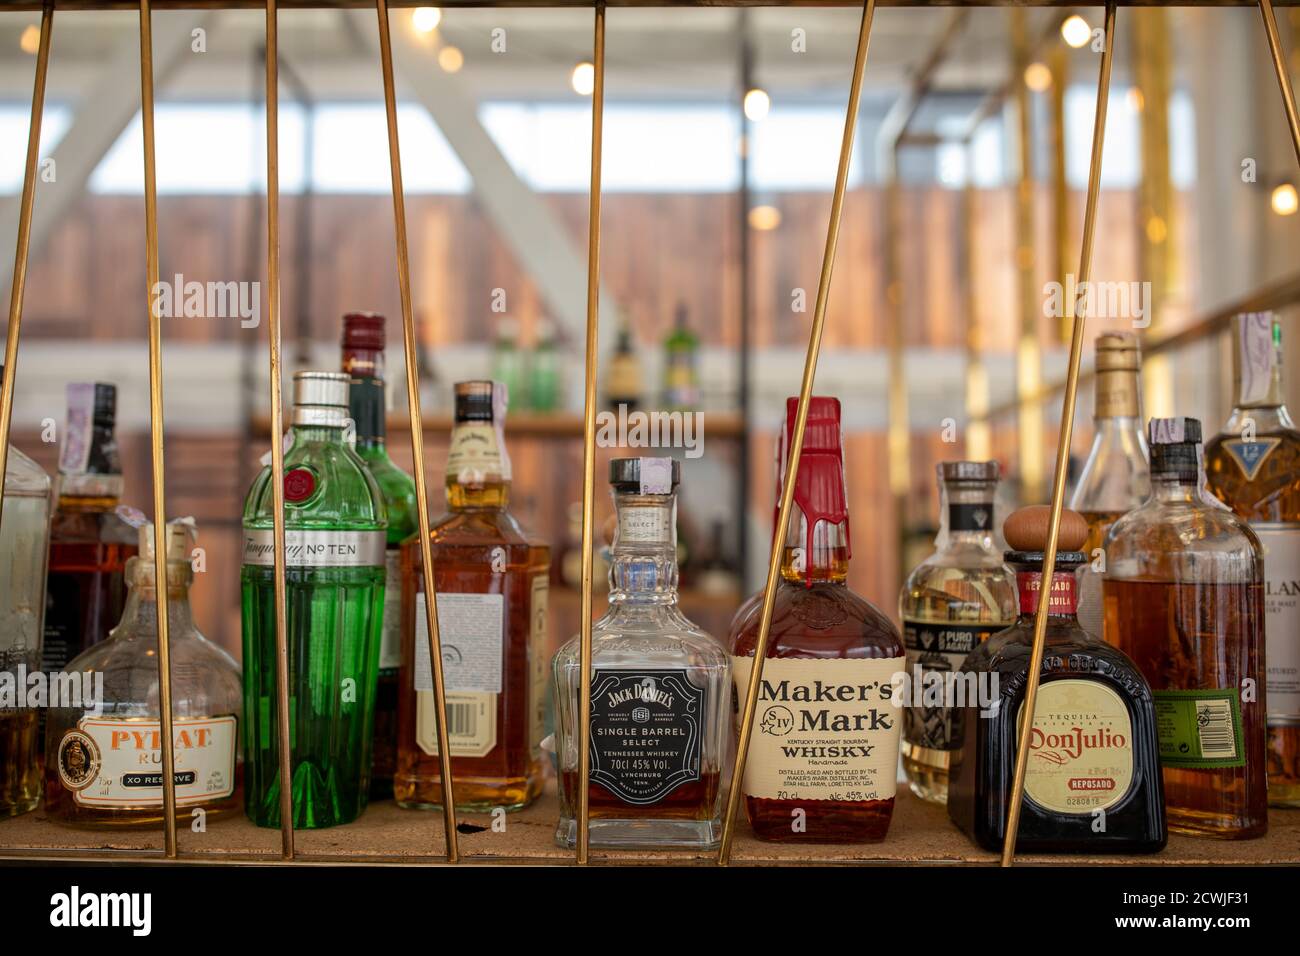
column 1093, row 778
column 1253, row 467
column 949, row 605
column 334, row 523
column 823, row 756
column 1116, row 477
column 492, row 579
column 363, row 359
column 104, row 764
column 89, row 543
column 24, row 547
column 1184, row 595
column 660, row 688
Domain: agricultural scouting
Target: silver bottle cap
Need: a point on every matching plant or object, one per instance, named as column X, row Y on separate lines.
column 320, row 398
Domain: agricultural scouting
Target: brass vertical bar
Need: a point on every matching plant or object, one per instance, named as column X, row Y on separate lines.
column 277, row 423
column 1059, row 65
column 898, row 436
column 156, row 428
column 1029, row 352
column 417, row 436
column 589, row 436
column 979, row 445
column 1283, row 80
column 1078, row 309
column 801, row 421
column 26, row 204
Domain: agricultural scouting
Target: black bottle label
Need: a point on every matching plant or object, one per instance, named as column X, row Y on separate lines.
column 970, row 517
column 935, row 652
column 645, row 732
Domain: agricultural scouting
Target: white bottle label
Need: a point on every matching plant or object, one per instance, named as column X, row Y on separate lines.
column 1281, row 620
column 316, row 549
column 390, row 641
column 117, row 762
column 471, row 628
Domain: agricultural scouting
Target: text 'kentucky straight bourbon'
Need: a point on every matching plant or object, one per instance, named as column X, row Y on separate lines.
column 823, row 755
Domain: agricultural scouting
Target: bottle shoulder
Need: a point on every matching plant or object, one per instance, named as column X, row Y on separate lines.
column 1192, row 539
column 977, row 586
column 480, row 527
column 344, row 493
column 825, row 620
column 1258, row 479
column 646, row 636
column 1068, row 651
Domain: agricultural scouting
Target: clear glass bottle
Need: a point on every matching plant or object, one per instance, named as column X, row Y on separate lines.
column 103, row 759
column 1184, row 598
column 1093, row 782
column 1116, row 477
column 89, row 543
column 1253, row 467
column 363, row 360
column 335, row 525
column 949, row 605
column 660, row 689
column 493, row 580
column 24, row 549
column 820, row 770
column 681, row 365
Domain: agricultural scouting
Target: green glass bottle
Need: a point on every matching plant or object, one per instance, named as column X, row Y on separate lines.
column 363, row 360
column 681, row 361
column 335, row 526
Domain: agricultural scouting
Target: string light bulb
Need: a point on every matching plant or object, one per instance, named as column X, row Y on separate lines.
column 1038, row 77
column 757, row 104
column 764, row 218
column 1285, row 200
column 1075, row 31
column 30, row 41
column 426, row 19
column 451, row 59
column 583, row 79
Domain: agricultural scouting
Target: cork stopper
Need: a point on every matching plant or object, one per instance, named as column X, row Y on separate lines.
column 1026, row 529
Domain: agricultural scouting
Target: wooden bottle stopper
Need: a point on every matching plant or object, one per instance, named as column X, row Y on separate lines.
column 1026, row 529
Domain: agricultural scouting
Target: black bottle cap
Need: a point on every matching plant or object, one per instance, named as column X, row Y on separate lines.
column 625, row 475
column 105, row 405
column 474, row 401
column 1173, row 444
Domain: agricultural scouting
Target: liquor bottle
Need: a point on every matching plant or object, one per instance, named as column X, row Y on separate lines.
column 1116, row 477
column 507, row 360
column 363, row 360
column 544, row 377
column 949, row 605
column 1184, row 597
column 1093, row 780
column 681, row 365
column 623, row 381
column 24, row 549
column 660, row 689
column 823, row 636
column 492, row 582
column 1253, row 466
column 89, row 543
column 103, row 764
column 335, row 522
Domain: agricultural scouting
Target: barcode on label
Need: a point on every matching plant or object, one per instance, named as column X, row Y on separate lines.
column 1214, row 724
column 462, row 720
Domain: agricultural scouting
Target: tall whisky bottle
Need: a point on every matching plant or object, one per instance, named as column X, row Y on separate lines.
column 1116, row 477
column 660, row 688
column 24, row 549
column 823, row 757
column 1253, row 466
column 949, row 605
column 335, row 523
column 89, row 543
column 1184, row 593
column 492, row 579
column 363, row 359
column 104, row 763
column 1093, row 781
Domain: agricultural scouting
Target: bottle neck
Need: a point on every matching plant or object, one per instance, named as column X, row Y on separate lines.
column 140, row 613
column 1174, row 488
column 643, row 559
column 366, row 406
column 1062, row 604
column 491, row 495
column 1116, row 395
column 822, row 557
column 318, row 432
column 966, row 517
column 1263, row 419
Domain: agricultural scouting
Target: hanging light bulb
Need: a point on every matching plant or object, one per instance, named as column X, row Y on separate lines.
column 30, row 41
column 764, row 218
column 757, row 104
column 426, row 19
column 451, row 59
column 1038, row 77
column 583, row 79
column 1285, row 201
column 1075, row 31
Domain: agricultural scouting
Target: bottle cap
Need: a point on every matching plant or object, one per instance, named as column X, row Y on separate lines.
column 481, row 401
column 1257, row 359
column 977, row 471
column 1026, row 529
column 1118, row 352
column 645, row 476
column 819, row 486
column 329, row 389
column 364, row 330
column 181, row 536
column 1173, row 444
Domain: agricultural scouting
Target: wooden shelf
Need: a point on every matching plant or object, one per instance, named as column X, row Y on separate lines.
column 529, row 424
column 920, row 833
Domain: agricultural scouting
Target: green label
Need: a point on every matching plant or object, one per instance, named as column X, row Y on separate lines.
column 1199, row 728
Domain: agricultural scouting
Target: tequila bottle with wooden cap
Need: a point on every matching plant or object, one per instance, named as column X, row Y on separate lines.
column 1253, row 467
column 1184, row 598
column 1092, row 783
column 334, row 598
column 660, row 689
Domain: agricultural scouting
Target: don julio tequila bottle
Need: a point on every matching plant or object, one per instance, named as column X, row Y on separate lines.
column 1093, row 782
column 1253, row 466
column 334, row 523
column 949, row 605
column 104, row 764
column 660, row 688
column 823, row 754
column 1184, row 593
column 24, row 546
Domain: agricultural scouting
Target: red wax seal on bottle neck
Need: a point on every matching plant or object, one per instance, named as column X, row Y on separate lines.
column 819, row 486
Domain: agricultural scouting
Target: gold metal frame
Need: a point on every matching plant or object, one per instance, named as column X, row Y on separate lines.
column 796, row 444
column 1283, row 79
